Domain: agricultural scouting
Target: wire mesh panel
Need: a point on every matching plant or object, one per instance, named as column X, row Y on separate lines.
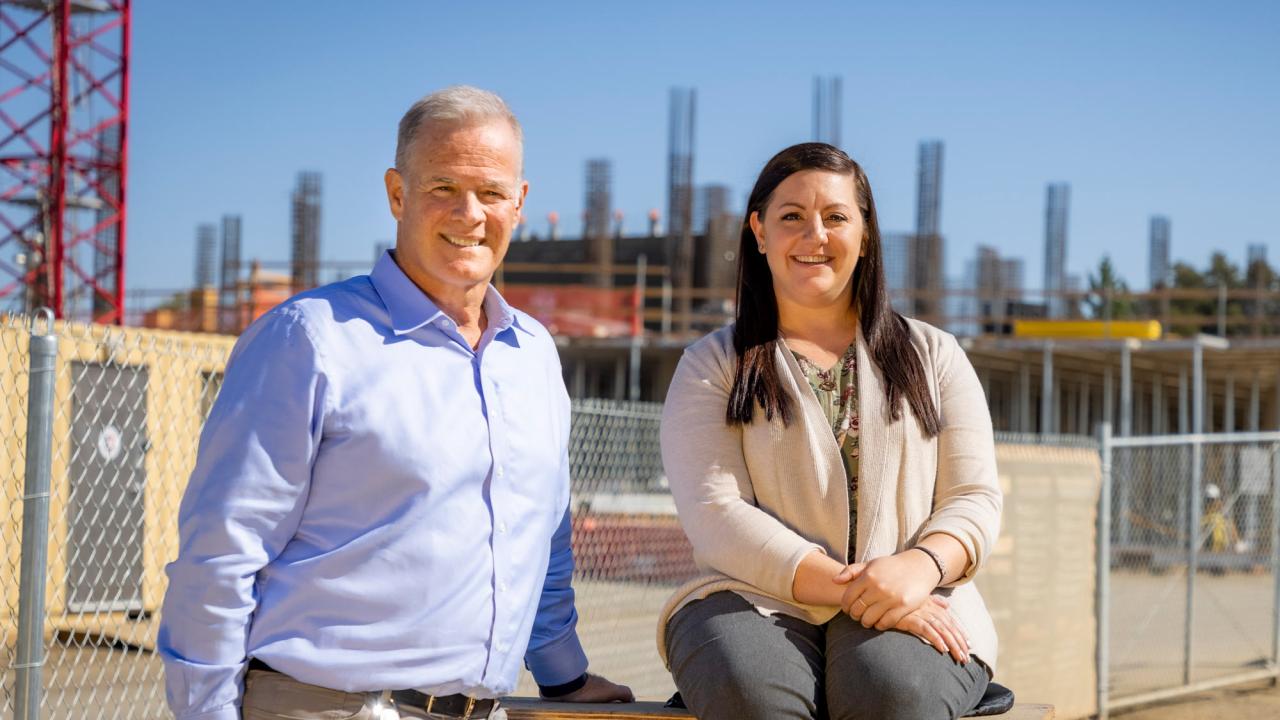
column 1148, row 571
column 629, row 550
column 127, row 410
column 1193, row 559
column 1234, row 587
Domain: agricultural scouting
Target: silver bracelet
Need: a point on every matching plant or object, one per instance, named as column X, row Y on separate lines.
column 937, row 560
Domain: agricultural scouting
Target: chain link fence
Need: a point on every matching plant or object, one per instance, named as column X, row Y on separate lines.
column 124, row 413
column 1190, row 596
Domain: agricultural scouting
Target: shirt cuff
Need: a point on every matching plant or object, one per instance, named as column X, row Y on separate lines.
column 556, row 663
column 226, row 712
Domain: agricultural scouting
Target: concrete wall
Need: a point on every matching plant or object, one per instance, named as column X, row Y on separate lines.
column 1039, row 583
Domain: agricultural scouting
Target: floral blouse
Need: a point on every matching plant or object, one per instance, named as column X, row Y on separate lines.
column 837, row 392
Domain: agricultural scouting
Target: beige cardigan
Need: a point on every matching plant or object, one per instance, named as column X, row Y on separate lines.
column 755, row 499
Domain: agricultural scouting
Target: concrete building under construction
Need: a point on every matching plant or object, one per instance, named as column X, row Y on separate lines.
column 997, row 284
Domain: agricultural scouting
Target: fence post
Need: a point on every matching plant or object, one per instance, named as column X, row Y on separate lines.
column 1275, row 557
column 1102, row 586
column 1196, row 501
column 42, row 357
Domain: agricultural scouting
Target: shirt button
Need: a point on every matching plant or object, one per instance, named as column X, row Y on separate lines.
column 502, row 587
column 499, row 471
column 502, row 527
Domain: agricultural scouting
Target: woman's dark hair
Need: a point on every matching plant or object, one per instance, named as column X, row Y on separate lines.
column 755, row 331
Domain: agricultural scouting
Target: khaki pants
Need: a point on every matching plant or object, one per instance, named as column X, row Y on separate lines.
column 276, row 696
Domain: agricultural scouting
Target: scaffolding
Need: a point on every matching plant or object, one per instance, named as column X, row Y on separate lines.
column 305, row 259
column 64, row 99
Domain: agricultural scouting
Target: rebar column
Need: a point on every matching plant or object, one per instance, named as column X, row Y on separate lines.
column 1047, row 401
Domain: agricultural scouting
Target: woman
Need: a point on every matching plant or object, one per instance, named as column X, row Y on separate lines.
column 834, row 468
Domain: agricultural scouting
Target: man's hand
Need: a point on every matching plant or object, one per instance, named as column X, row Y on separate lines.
column 597, row 690
column 882, row 592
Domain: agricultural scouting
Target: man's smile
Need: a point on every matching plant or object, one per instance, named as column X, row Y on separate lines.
column 462, row 242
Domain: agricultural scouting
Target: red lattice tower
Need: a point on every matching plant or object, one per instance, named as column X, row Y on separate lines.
column 64, row 110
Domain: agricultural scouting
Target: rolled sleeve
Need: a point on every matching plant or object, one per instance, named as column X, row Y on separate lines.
column 555, row 655
column 241, row 506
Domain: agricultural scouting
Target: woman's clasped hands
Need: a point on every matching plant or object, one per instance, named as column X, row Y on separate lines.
column 894, row 592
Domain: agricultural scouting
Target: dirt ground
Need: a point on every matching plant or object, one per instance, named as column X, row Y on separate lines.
column 1257, row 701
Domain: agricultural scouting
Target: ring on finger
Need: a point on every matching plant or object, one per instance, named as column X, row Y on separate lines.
column 855, row 604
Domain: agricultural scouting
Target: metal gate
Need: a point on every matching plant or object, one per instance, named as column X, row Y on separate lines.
column 1188, row 564
column 108, row 481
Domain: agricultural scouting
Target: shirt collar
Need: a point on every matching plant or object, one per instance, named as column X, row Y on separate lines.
column 410, row 308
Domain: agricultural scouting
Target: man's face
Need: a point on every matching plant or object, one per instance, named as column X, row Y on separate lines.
column 456, row 205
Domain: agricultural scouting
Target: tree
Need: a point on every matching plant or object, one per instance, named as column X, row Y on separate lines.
column 1221, row 273
column 1108, row 294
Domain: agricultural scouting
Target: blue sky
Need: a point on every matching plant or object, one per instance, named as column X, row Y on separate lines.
column 1144, row 107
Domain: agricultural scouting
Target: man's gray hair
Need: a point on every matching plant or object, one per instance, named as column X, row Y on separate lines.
column 456, row 104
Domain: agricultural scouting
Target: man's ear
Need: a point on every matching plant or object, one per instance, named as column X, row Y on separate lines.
column 524, row 193
column 395, row 192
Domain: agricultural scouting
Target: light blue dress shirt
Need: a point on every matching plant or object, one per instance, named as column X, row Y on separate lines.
column 375, row 505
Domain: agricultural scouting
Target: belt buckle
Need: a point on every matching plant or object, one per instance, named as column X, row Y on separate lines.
column 466, row 714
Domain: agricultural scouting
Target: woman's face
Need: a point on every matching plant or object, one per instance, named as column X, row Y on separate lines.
column 811, row 235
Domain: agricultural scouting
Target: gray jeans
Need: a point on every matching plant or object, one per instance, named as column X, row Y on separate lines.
column 729, row 661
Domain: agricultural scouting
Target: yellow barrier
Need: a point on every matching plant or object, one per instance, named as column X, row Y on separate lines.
column 1087, row 329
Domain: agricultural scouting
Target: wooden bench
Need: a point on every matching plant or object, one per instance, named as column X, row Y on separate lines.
column 534, row 709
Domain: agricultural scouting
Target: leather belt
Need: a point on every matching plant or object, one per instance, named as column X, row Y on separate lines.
column 457, row 705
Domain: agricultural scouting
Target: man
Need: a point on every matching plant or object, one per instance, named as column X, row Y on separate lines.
column 378, row 519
